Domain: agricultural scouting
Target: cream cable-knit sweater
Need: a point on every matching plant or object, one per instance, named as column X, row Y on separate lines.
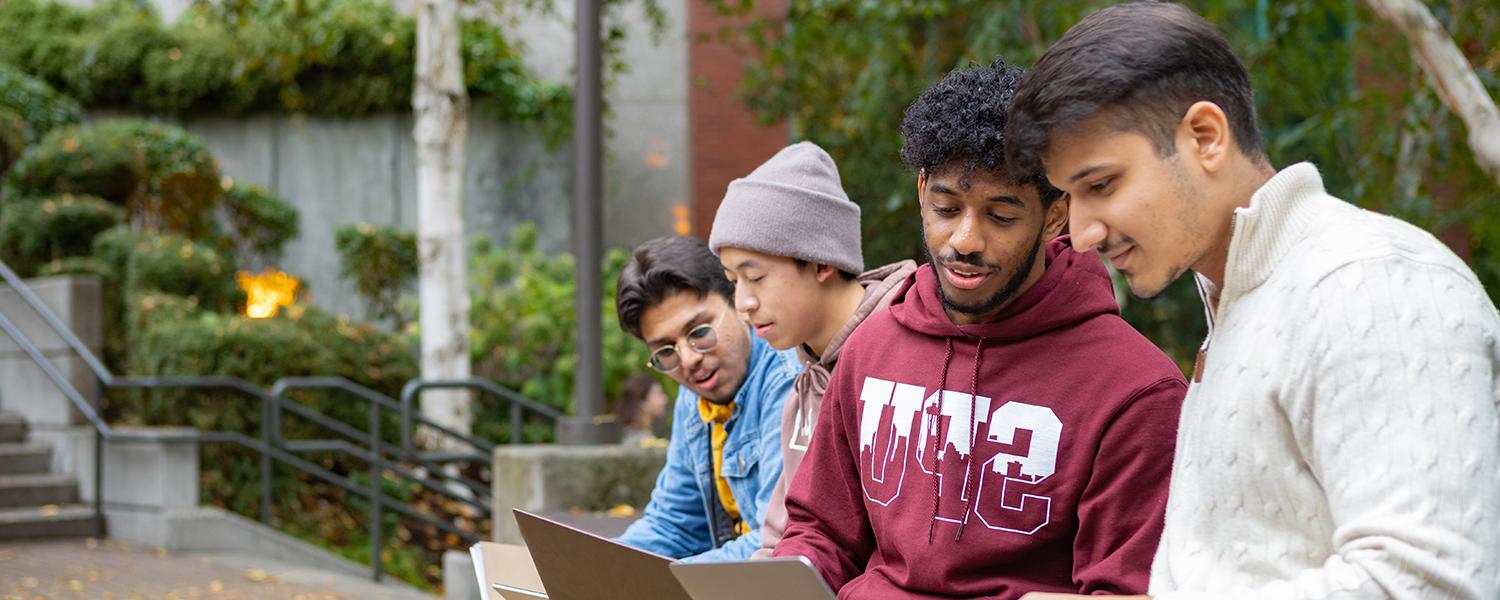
column 1344, row 440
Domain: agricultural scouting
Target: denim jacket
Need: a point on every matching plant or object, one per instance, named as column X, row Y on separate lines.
column 676, row 523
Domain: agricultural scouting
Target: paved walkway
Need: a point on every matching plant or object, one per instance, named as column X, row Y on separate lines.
column 114, row 570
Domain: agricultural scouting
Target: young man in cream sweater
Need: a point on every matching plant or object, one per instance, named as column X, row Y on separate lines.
column 1340, row 437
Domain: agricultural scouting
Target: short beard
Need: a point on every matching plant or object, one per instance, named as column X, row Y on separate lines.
column 1001, row 296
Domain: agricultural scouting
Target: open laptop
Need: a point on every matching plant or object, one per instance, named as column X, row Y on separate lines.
column 577, row 565
column 791, row 578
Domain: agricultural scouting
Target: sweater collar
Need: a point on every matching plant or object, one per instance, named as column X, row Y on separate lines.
column 1264, row 232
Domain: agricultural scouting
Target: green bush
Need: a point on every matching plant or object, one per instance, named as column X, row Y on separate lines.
column 35, row 231
column 38, row 40
column 260, row 223
column 42, row 107
column 182, row 183
column 196, row 66
column 522, row 320
column 175, row 336
column 342, row 58
column 80, row 160
column 381, row 262
column 75, row 265
column 111, row 53
column 176, row 265
column 161, row 173
column 12, row 137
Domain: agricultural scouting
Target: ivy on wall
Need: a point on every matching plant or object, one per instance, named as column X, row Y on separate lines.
column 339, row 58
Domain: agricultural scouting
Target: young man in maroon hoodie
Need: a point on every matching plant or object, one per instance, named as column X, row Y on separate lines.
column 999, row 429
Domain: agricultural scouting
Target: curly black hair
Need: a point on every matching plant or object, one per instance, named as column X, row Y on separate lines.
column 960, row 123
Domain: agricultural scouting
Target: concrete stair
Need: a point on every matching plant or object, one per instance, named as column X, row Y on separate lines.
column 34, row 502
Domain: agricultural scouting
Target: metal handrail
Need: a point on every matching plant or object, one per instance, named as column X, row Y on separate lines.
column 272, row 445
column 517, row 403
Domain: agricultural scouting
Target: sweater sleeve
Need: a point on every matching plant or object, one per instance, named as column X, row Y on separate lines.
column 1393, row 397
column 1120, row 513
column 826, row 518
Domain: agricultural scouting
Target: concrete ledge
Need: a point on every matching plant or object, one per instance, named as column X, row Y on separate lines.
column 459, row 580
column 28, row 391
column 547, row 478
column 206, row 529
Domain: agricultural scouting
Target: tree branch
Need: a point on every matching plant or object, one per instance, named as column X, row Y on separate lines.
column 1451, row 75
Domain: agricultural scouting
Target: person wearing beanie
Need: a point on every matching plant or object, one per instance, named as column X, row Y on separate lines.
column 789, row 240
column 999, row 429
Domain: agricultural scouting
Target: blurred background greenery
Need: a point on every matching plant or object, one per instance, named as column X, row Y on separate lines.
column 1334, row 85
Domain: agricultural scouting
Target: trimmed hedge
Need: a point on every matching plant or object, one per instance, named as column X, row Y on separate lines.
column 80, row 160
column 40, row 107
column 141, row 261
column 260, row 223
column 164, row 175
column 36, row 231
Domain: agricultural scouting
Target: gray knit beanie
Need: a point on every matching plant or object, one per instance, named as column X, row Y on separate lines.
column 793, row 205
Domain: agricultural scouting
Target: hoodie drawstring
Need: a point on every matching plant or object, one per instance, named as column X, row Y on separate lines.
column 973, row 436
column 937, row 440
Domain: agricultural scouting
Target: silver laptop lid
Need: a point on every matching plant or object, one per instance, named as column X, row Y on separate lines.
column 791, row 578
column 577, row 565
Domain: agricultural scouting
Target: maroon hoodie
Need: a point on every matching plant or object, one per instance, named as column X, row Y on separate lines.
column 1066, row 487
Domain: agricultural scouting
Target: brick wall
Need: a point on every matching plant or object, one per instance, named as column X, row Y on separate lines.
column 724, row 140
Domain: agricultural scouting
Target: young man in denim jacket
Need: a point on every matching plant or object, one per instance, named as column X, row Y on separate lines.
column 725, row 453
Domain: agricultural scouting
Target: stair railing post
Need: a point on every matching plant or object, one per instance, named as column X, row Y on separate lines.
column 376, row 471
column 98, row 483
column 268, row 410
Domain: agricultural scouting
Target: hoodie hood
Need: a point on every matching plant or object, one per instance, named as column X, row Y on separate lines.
column 1074, row 289
column 879, row 284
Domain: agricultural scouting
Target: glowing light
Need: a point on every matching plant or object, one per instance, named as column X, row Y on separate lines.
column 266, row 292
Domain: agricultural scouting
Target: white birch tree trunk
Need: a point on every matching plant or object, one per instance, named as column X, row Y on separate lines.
column 441, row 106
column 1451, row 75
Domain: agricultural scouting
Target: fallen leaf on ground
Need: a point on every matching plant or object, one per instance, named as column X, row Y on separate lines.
column 621, row 510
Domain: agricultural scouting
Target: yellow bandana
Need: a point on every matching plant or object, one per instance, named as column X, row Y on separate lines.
column 715, row 416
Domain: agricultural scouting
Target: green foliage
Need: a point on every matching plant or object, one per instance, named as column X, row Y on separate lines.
column 181, row 187
column 381, row 261
column 494, row 69
column 42, row 107
column 260, row 223
column 34, row 231
column 171, row 335
column 522, row 319
column 343, row 58
column 1334, row 85
column 161, row 173
column 12, row 138
column 74, row 265
column 176, row 265
column 81, row 160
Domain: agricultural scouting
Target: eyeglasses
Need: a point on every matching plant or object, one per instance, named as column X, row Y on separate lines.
column 701, row 339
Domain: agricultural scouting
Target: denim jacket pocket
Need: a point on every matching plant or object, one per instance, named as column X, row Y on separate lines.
column 740, row 466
